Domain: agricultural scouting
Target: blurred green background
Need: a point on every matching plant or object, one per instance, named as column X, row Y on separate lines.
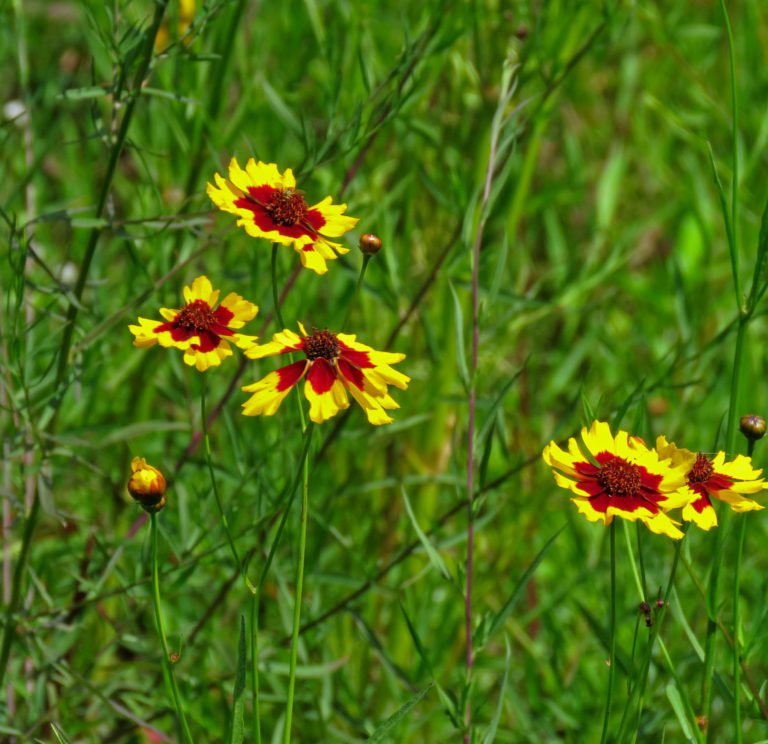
column 605, row 277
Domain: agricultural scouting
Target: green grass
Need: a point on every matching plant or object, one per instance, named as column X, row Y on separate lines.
column 605, row 286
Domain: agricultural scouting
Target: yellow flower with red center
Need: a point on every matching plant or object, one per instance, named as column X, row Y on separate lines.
column 200, row 329
column 269, row 206
column 620, row 477
column 335, row 364
column 713, row 478
column 147, row 485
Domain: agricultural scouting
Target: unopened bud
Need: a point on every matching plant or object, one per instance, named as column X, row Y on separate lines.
column 659, row 603
column 369, row 244
column 752, row 427
column 147, row 485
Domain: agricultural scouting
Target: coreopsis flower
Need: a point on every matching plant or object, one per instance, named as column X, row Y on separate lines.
column 147, row 485
column 619, row 477
column 713, row 478
column 334, row 364
column 200, row 329
column 269, row 206
column 186, row 14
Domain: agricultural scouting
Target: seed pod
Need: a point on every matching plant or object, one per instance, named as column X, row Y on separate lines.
column 369, row 244
column 147, row 485
column 752, row 427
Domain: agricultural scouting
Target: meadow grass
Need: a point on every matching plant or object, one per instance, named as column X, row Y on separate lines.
column 569, row 198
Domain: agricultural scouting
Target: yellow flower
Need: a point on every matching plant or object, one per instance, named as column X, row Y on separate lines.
column 334, row 364
column 147, row 485
column 623, row 478
column 186, row 14
column 707, row 478
column 200, row 331
column 269, row 206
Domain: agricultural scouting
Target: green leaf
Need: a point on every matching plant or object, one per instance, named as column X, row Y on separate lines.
column 461, row 356
column 238, row 727
column 673, row 695
column 509, row 605
column 79, row 94
column 434, row 557
column 399, row 715
column 490, row 734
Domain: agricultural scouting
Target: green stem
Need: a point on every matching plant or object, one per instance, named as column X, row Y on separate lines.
column 222, row 513
column 612, row 656
column 352, row 302
column 240, row 567
column 255, row 667
column 736, row 634
column 297, row 605
column 275, row 295
column 640, row 685
column 161, row 632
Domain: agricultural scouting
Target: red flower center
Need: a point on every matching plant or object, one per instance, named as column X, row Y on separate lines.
column 620, row 478
column 286, row 207
column 195, row 316
column 701, row 471
column 321, row 344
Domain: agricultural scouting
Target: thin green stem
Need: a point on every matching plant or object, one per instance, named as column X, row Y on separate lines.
column 275, row 294
column 353, row 301
column 240, row 566
column 297, row 605
column 639, row 686
column 222, row 513
column 255, row 667
column 736, row 633
column 161, row 632
column 735, row 156
column 612, row 632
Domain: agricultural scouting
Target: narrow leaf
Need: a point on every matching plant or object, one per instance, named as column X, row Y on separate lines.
column 238, row 705
column 434, row 557
column 509, row 605
column 461, row 356
column 393, row 720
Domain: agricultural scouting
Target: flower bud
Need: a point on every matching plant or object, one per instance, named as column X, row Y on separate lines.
column 752, row 427
column 370, row 245
column 147, row 485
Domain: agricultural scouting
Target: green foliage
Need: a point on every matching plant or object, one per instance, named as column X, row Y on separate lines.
column 605, row 288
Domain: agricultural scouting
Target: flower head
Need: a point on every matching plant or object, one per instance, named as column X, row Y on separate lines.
column 333, row 364
column 269, row 206
column 147, row 485
column 200, row 329
column 621, row 477
column 713, row 478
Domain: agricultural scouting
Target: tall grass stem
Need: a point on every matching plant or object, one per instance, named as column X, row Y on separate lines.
column 161, row 632
column 611, row 635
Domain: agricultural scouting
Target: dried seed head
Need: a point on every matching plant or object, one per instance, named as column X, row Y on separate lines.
column 752, row 427
column 147, row 485
column 369, row 244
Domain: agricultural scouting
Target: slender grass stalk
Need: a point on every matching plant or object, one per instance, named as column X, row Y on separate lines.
column 353, row 301
column 297, row 601
column 275, row 296
column 639, row 686
column 612, row 636
column 733, row 406
column 168, row 664
column 240, row 567
column 737, row 617
column 9, row 629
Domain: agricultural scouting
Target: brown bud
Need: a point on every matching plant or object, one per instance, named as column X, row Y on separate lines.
column 147, row 485
column 644, row 608
column 369, row 244
column 752, row 427
column 659, row 603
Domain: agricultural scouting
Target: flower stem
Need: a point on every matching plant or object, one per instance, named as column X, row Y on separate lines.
column 353, row 301
column 299, row 588
column 161, row 632
column 275, row 296
column 612, row 634
column 651, row 641
column 240, row 567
